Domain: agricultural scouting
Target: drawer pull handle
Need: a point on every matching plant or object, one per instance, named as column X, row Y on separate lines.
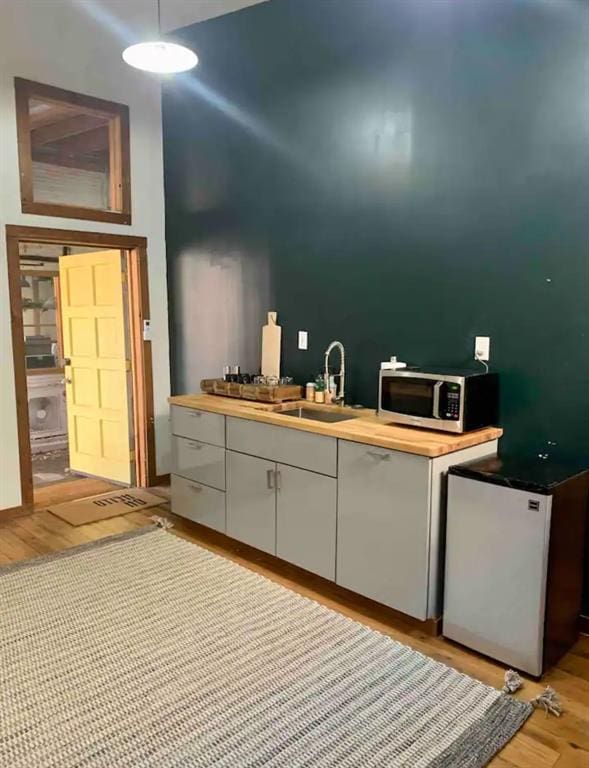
column 194, row 446
column 270, row 479
column 195, row 488
column 278, row 477
column 377, row 455
column 195, row 414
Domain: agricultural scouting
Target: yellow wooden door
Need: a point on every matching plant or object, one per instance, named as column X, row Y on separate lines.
column 97, row 369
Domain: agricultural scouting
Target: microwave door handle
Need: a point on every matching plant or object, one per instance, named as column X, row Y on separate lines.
column 437, row 387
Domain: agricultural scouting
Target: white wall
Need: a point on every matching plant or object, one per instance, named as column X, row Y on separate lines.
column 60, row 43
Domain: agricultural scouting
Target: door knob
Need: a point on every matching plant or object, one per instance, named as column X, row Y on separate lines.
column 67, row 380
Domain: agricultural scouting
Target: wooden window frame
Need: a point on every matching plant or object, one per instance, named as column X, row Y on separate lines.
column 119, row 153
column 141, row 358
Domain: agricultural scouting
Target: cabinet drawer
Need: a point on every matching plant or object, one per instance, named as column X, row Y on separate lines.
column 198, row 425
column 317, row 453
column 199, row 461
column 383, row 526
column 198, row 502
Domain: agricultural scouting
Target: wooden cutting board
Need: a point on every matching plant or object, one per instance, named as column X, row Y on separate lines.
column 271, row 340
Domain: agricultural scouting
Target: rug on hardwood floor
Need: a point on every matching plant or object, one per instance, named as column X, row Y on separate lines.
column 146, row 650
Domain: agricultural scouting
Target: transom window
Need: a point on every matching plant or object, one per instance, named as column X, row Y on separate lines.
column 73, row 154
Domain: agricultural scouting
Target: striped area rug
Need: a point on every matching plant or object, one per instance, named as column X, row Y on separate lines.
column 145, row 650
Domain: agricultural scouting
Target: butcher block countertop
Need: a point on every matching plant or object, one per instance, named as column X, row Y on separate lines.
column 364, row 428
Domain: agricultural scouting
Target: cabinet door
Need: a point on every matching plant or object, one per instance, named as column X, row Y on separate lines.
column 198, row 502
column 251, row 501
column 306, row 519
column 383, row 524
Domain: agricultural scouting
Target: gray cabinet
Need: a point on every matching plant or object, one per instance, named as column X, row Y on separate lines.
column 294, row 447
column 306, row 519
column 251, row 501
column 198, row 425
column 199, row 461
column 368, row 518
column 383, row 526
column 198, row 503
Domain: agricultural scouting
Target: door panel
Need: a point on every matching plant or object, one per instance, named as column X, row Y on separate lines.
column 98, row 373
column 306, row 520
column 383, row 526
column 251, row 501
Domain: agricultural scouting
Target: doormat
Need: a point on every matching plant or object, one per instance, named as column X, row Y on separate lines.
column 105, row 505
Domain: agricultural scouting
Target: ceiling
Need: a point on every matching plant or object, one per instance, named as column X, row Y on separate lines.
column 69, row 136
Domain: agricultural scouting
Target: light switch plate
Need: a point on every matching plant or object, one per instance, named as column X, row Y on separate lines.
column 303, row 340
column 147, row 330
column 482, row 348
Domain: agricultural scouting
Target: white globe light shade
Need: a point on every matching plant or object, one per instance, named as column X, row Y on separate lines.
column 159, row 56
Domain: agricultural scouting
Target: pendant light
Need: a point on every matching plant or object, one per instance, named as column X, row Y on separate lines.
column 160, row 56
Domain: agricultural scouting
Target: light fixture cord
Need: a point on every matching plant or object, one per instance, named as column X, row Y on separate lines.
column 159, row 19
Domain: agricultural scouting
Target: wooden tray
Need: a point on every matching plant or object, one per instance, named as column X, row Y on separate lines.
column 260, row 392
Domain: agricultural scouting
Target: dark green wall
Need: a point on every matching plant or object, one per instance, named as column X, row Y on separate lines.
column 415, row 173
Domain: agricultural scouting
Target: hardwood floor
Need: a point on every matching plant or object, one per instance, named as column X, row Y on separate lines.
column 544, row 742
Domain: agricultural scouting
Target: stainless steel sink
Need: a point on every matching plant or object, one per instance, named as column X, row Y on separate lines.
column 313, row 415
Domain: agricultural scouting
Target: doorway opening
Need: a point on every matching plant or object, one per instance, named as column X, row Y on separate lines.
column 83, row 373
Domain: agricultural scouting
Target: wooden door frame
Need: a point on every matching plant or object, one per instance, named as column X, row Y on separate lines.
column 136, row 248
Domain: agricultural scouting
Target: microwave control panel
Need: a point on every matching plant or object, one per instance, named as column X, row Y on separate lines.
column 452, row 410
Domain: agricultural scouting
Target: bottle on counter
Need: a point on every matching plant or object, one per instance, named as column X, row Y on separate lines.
column 310, row 391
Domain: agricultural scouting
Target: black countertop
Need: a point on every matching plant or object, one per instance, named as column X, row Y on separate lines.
column 533, row 475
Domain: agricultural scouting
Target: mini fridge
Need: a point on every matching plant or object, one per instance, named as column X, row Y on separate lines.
column 515, row 544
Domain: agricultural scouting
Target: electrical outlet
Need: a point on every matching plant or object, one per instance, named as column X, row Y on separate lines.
column 482, row 346
column 303, row 340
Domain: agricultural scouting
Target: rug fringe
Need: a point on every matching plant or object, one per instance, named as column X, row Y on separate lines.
column 513, row 681
column 549, row 701
column 162, row 522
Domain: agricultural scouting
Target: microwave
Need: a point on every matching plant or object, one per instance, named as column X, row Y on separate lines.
column 449, row 400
